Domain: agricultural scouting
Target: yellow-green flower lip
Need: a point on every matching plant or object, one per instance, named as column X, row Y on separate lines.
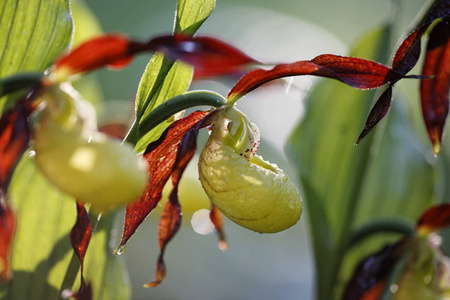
column 251, row 192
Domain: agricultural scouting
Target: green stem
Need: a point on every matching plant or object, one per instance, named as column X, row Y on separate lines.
column 170, row 108
column 382, row 225
column 16, row 82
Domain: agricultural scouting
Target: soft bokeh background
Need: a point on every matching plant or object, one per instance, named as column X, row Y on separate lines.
column 276, row 266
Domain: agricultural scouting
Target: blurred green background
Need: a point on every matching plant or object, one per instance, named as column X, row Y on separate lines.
column 277, row 266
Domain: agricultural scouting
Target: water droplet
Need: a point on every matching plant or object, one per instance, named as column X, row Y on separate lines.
column 393, row 288
column 119, row 250
column 32, row 154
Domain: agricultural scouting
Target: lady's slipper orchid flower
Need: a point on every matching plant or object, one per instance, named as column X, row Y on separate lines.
column 248, row 190
column 415, row 267
column 78, row 159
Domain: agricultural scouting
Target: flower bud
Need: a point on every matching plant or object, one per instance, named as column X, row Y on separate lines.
column 81, row 161
column 251, row 192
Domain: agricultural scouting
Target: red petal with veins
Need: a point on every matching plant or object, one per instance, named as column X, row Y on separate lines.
column 169, row 223
column 109, row 50
column 434, row 90
column 209, row 56
column 434, row 218
column 378, row 111
column 356, row 72
column 7, row 229
column 160, row 156
column 14, row 138
column 171, row 217
column 408, row 53
column 80, row 236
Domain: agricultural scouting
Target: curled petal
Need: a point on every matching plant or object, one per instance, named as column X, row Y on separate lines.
column 80, row 236
column 161, row 156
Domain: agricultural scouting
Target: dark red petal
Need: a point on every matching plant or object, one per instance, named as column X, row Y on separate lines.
column 408, row 53
column 108, row 50
column 80, row 236
column 169, row 223
column 356, row 72
column 434, row 218
column 8, row 224
column 14, row 138
column 369, row 276
column 434, row 91
column 160, row 156
column 377, row 113
column 439, row 9
column 216, row 218
column 208, row 55
column 171, row 217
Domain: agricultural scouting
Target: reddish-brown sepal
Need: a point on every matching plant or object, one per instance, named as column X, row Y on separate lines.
column 434, row 89
column 80, row 236
column 111, row 50
column 356, row 72
column 434, row 219
column 8, row 224
column 160, row 156
column 14, row 138
column 208, row 55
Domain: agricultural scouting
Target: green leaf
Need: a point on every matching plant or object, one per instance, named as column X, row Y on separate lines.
column 42, row 249
column 164, row 79
column 346, row 186
column 161, row 81
column 43, row 262
column 191, row 14
column 32, row 35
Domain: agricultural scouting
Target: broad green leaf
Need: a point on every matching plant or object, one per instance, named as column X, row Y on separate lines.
column 161, row 81
column 164, row 79
column 42, row 250
column 43, row 261
column 191, row 14
column 32, row 35
column 345, row 185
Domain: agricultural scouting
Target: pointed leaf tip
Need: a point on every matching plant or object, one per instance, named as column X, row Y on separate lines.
column 377, row 113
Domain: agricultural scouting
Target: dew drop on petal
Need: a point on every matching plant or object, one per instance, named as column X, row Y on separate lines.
column 119, row 250
column 32, row 154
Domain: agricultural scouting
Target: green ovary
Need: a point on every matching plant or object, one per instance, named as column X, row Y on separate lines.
column 251, row 192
